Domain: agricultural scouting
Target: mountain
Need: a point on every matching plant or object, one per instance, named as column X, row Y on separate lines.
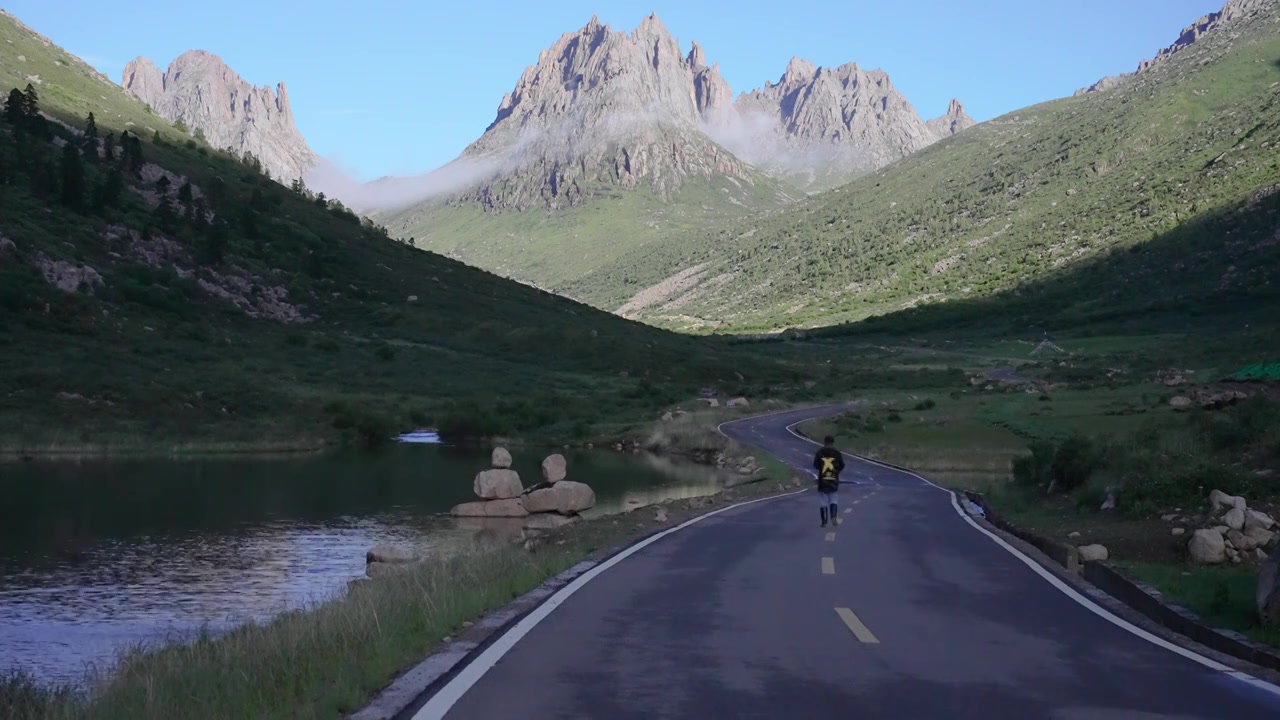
column 1234, row 11
column 210, row 99
column 819, row 127
column 614, row 141
column 603, row 109
column 157, row 292
column 1160, row 193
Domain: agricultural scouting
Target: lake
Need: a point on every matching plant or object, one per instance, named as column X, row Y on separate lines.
column 99, row 555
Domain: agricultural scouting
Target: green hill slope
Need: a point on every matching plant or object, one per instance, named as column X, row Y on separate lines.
column 239, row 311
column 1018, row 200
column 555, row 249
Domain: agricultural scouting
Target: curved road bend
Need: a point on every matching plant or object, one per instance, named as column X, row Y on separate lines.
column 905, row 611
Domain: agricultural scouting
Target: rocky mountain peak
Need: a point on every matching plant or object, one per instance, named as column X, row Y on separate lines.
column 953, row 122
column 603, row 108
column 1233, row 12
column 828, row 123
column 799, row 70
column 200, row 90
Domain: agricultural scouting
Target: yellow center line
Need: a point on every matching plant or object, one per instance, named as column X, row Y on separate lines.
column 855, row 625
column 831, row 537
column 828, row 566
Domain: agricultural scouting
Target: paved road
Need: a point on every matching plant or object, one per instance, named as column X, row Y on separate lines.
column 905, row 611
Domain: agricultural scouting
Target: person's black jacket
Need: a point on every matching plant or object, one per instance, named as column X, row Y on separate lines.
column 829, row 463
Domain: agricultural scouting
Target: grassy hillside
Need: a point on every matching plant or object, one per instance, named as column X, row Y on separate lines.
column 554, row 249
column 240, row 312
column 1177, row 167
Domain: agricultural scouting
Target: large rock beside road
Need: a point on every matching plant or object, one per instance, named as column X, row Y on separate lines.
column 498, row 485
column 508, row 508
column 554, row 468
column 1208, row 547
column 565, row 497
column 1269, row 591
column 1093, row 553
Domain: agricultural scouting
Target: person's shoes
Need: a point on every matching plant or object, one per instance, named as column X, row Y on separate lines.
column 824, row 517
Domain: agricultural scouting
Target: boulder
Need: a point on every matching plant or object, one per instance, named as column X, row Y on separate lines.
column 508, row 508
column 498, row 484
column 738, row 402
column 1234, row 519
column 1222, row 530
column 388, row 554
column 1093, row 553
column 554, row 468
column 1208, row 547
column 1109, row 502
column 548, row 521
column 1220, row 499
column 1179, row 531
column 1253, row 518
column 1240, row 541
column 667, row 417
column 660, row 515
column 1261, row 538
column 1181, row 402
column 501, row 458
column 566, row 497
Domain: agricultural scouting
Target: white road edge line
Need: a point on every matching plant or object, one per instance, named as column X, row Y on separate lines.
column 447, row 696
column 1070, row 591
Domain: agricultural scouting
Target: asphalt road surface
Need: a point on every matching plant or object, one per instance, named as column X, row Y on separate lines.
column 905, row 610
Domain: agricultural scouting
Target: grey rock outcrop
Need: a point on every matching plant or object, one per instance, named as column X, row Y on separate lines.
column 1232, row 12
column 828, row 124
column 602, row 109
column 200, row 90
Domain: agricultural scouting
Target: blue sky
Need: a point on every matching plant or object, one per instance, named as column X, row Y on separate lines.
column 395, row 88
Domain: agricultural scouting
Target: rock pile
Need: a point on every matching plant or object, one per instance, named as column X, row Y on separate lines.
column 1238, row 535
column 503, row 495
column 1232, row 532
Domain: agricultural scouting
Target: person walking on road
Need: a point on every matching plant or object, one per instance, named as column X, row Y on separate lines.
column 829, row 462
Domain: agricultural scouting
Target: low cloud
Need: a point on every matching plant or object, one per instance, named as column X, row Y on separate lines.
column 390, row 193
column 757, row 137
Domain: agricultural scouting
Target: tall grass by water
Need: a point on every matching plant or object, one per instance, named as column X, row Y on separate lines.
column 322, row 661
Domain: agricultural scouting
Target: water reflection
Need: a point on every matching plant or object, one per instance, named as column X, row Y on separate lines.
column 98, row 555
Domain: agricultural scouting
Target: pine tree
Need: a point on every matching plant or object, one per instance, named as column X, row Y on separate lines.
column 30, row 102
column 109, row 148
column 91, row 128
column 114, row 187
column 184, row 194
column 72, row 177
column 15, row 109
column 135, row 154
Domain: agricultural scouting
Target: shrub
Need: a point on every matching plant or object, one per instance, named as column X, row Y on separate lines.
column 1073, row 462
column 894, row 418
column 927, row 404
column 1033, row 470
